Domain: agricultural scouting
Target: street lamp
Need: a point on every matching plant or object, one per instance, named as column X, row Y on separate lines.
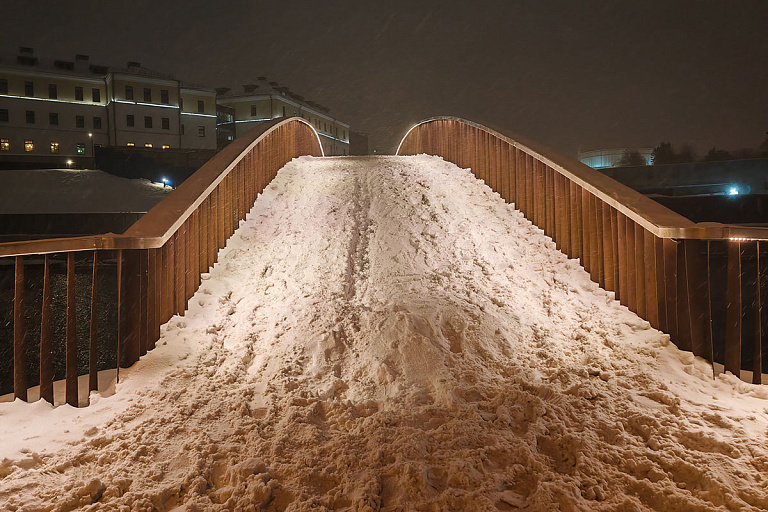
column 93, row 153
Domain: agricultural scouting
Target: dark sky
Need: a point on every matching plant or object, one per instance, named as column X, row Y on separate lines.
column 571, row 74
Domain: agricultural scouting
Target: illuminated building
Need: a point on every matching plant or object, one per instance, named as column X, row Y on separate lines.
column 264, row 101
column 53, row 112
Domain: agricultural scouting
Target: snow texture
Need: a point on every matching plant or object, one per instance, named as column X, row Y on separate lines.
column 387, row 334
column 75, row 191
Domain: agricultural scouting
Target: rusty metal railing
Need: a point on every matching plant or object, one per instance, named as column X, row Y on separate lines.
column 704, row 284
column 75, row 306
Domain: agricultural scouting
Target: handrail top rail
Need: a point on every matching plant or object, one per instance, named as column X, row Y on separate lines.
column 653, row 216
column 156, row 226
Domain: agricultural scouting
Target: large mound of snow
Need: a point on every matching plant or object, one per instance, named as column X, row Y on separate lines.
column 387, row 334
column 75, row 191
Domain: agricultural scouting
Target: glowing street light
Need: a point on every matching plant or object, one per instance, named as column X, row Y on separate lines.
column 69, row 163
column 733, row 191
column 166, row 182
column 93, row 152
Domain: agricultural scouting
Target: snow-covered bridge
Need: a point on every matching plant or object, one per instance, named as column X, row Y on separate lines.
column 389, row 333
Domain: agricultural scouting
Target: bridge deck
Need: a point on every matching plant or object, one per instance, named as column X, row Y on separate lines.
column 388, row 332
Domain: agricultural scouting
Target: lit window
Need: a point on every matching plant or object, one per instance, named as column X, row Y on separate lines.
column 201, row 131
column 29, row 89
column 52, row 92
column 30, row 117
column 148, row 145
column 129, row 120
column 81, row 149
column 147, row 122
column 164, row 97
column 53, row 119
column 4, row 114
column 130, row 144
column 55, row 148
column 166, row 146
column 96, row 94
column 29, row 146
column 166, row 123
column 97, row 123
column 5, row 145
column 200, row 107
column 80, row 121
column 78, row 93
column 129, row 92
column 147, row 95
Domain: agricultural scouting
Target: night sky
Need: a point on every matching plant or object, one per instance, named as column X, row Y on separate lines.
column 571, row 74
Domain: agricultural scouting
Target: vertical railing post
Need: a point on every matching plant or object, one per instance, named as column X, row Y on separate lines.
column 93, row 347
column 698, row 296
column 71, row 370
column 651, row 288
column 684, row 341
column 130, row 307
column 46, row 355
column 757, row 349
column 669, row 248
column 19, row 332
column 621, row 243
column 733, row 311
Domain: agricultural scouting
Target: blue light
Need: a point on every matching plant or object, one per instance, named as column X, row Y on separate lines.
column 733, row 191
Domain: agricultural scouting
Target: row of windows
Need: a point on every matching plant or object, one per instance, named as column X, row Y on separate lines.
column 164, row 97
column 29, row 146
column 130, row 121
column 146, row 145
column 254, row 113
column 53, row 119
column 53, row 91
column 331, row 131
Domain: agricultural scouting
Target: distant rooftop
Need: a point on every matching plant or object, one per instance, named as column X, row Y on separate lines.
column 81, row 66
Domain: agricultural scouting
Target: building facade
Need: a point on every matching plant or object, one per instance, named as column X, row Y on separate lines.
column 54, row 114
column 602, row 158
column 261, row 102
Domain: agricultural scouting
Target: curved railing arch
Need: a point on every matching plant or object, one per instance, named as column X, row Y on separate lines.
column 155, row 265
column 705, row 284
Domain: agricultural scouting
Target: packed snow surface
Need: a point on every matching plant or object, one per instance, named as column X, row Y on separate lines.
column 387, row 334
column 75, row 191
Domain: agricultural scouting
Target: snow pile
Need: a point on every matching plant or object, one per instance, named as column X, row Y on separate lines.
column 386, row 334
column 76, row 191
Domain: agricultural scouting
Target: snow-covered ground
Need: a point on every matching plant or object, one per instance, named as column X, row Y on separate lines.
column 75, row 191
column 386, row 334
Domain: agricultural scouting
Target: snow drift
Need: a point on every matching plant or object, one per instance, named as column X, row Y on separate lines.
column 387, row 334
